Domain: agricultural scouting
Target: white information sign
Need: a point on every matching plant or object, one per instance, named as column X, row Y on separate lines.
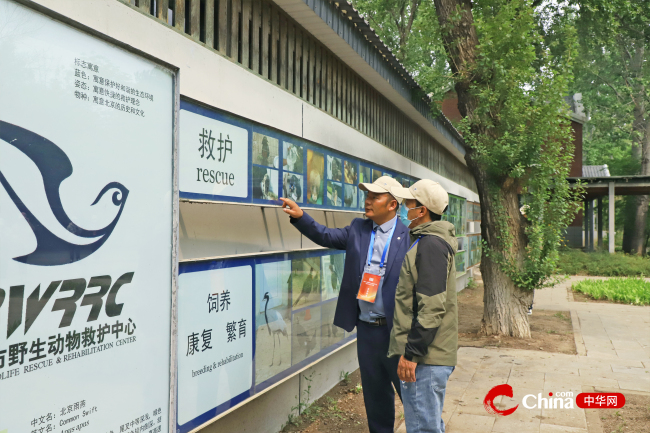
column 85, row 231
column 215, row 338
column 213, row 156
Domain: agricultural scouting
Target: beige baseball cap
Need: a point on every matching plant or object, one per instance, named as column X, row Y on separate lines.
column 381, row 186
column 429, row 193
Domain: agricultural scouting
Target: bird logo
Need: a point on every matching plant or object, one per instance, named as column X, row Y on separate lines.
column 55, row 167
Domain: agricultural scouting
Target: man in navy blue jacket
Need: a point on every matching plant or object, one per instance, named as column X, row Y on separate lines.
column 375, row 248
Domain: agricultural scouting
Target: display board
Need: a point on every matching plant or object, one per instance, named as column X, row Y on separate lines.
column 246, row 323
column 456, row 214
column 227, row 158
column 475, row 245
column 86, row 146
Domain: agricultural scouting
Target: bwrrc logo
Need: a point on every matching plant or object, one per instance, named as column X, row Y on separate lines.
column 24, row 305
column 55, row 167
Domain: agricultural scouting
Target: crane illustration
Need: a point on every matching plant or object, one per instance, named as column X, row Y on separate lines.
column 276, row 326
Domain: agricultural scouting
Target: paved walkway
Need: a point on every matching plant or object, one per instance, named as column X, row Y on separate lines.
column 613, row 343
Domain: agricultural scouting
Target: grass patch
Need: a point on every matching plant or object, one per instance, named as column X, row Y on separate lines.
column 634, row 291
column 576, row 262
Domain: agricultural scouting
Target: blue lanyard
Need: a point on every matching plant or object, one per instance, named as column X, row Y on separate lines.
column 418, row 240
column 372, row 245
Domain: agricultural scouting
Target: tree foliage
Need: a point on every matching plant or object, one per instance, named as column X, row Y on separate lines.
column 519, row 131
column 510, row 63
column 613, row 74
column 410, row 29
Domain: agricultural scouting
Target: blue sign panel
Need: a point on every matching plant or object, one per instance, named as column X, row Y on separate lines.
column 244, row 324
column 226, row 158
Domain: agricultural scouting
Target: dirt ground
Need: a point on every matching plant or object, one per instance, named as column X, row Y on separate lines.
column 341, row 410
column 551, row 331
column 634, row 417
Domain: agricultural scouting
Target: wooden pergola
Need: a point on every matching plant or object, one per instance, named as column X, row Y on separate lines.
column 607, row 186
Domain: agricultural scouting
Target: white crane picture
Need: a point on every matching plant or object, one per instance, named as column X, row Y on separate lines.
column 275, row 325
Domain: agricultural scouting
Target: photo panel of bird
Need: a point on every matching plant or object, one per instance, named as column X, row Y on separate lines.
column 332, row 275
column 365, row 174
column 334, row 194
column 387, row 174
column 350, row 174
column 292, row 156
column 265, row 183
column 376, row 174
column 330, row 333
column 350, row 196
column 362, row 199
column 334, row 168
column 273, row 319
column 305, row 281
column 292, row 187
column 266, row 150
column 315, row 176
column 305, row 334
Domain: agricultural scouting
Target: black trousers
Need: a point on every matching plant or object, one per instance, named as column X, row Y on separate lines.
column 378, row 376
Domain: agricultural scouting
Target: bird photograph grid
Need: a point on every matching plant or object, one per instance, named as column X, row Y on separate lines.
column 315, row 176
column 273, row 318
column 290, row 326
column 332, row 275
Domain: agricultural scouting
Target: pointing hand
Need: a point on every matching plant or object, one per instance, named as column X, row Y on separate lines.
column 290, row 207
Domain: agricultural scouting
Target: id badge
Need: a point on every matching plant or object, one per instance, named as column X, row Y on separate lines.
column 369, row 287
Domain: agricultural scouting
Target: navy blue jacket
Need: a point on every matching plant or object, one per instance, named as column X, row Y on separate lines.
column 355, row 240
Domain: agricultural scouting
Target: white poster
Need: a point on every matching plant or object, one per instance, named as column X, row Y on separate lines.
column 85, row 231
column 213, row 156
column 215, row 338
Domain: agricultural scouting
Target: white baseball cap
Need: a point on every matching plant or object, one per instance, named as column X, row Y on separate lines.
column 382, row 185
column 431, row 194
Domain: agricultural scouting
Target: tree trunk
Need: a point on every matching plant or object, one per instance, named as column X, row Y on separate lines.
column 505, row 305
column 634, row 234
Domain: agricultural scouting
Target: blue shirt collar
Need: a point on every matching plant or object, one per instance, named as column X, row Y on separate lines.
column 385, row 227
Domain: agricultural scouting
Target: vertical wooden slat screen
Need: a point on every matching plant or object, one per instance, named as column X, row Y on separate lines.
column 266, row 40
column 245, row 33
column 344, row 93
column 291, row 55
column 330, row 83
column 235, row 9
column 355, row 103
column 195, row 17
column 298, row 64
column 266, row 34
column 283, row 52
column 256, row 22
column 336, row 96
column 304, row 65
column 179, row 15
column 317, row 71
column 209, row 23
column 162, row 6
column 145, row 5
column 223, row 26
column 311, row 66
column 275, row 37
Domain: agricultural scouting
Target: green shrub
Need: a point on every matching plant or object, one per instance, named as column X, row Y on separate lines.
column 576, row 262
column 628, row 290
